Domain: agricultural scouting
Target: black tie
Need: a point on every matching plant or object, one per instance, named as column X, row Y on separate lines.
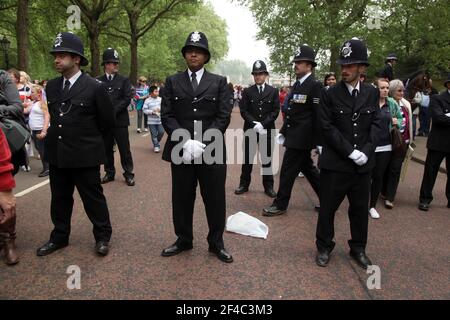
column 110, row 77
column 355, row 93
column 66, row 87
column 260, row 89
column 194, row 82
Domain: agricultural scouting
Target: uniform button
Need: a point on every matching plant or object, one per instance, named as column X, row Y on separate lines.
column 355, row 124
column 60, row 126
column 354, row 145
column 356, row 135
column 61, row 114
column 195, row 98
column 63, row 104
column 289, row 125
column 289, row 108
column 287, row 117
column 342, row 111
column 59, row 137
column 355, row 114
column 195, row 110
column 214, row 99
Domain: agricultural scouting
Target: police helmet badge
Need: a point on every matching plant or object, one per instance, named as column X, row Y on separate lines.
column 258, row 64
column 346, row 50
column 298, row 52
column 195, row 37
column 58, row 40
column 116, row 54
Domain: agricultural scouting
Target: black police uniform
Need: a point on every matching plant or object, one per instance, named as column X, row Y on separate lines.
column 388, row 70
column 348, row 123
column 74, row 146
column 300, row 132
column 262, row 107
column 119, row 90
column 438, row 146
column 184, row 108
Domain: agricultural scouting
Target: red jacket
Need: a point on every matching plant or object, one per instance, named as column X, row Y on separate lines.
column 6, row 179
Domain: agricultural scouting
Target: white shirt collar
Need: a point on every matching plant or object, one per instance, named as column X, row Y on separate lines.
column 302, row 79
column 73, row 79
column 199, row 74
column 107, row 75
column 350, row 87
column 263, row 86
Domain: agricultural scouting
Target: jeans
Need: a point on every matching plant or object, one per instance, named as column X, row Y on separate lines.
column 157, row 132
column 140, row 113
column 424, row 120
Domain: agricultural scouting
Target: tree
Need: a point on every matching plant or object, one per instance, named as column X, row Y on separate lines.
column 22, row 23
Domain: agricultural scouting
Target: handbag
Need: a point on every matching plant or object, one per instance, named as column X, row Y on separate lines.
column 398, row 146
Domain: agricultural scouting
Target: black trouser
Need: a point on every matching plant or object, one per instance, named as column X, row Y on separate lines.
column 392, row 175
column 432, row 164
column 62, row 184
column 212, row 188
column 120, row 135
column 294, row 162
column 266, row 157
column 334, row 186
column 382, row 160
column 40, row 147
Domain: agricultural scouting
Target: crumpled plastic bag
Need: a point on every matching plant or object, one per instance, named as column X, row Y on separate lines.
column 247, row 225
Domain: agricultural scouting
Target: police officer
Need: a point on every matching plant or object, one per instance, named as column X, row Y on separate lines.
column 119, row 90
column 299, row 133
column 79, row 110
column 388, row 71
column 259, row 106
column 194, row 103
column 438, row 146
column 350, row 119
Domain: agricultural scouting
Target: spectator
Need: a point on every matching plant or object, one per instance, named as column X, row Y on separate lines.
column 39, row 120
column 424, row 114
column 142, row 93
column 152, row 108
column 7, row 204
column 330, row 80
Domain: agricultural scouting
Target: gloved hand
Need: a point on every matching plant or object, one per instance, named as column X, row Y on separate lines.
column 448, row 114
column 355, row 154
column 362, row 160
column 192, row 149
column 259, row 128
column 280, row 139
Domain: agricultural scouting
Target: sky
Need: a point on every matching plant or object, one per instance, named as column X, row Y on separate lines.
column 242, row 31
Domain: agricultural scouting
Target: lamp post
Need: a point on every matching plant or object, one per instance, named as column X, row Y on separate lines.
column 5, row 43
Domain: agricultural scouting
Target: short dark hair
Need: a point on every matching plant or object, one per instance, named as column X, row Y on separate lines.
column 15, row 73
column 153, row 88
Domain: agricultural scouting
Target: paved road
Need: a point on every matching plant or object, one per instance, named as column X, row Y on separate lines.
column 410, row 247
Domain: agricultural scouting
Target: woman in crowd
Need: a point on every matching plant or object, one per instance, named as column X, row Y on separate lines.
column 392, row 178
column 142, row 93
column 390, row 116
column 39, row 120
column 330, row 80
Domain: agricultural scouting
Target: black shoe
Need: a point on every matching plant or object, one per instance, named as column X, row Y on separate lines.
column 322, row 258
column 44, row 173
column 270, row 192
column 361, row 259
column 102, row 248
column 107, row 178
column 241, row 190
column 49, row 248
column 222, row 254
column 175, row 249
column 130, row 182
column 272, row 211
column 424, row 206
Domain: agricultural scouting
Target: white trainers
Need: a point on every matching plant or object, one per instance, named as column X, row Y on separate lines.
column 157, row 149
column 145, row 129
column 139, row 130
column 388, row 204
column 374, row 213
column 301, row 175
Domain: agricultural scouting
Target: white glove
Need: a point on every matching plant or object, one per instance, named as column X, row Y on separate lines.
column 280, row 139
column 192, row 149
column 259, row 128
column 355, row 154
column 362, row 160
column 448, row 114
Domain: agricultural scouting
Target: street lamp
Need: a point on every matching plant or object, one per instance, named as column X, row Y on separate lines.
column 5, row 43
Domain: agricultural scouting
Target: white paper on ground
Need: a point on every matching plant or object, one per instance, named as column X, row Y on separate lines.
column 247, row 225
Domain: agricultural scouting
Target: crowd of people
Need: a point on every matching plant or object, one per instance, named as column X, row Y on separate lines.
column 363, row 133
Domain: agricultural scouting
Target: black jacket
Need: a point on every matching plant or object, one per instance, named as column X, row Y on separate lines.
column 439, row 137
column 387, row 72
column 74, row 138
column 301, row 126
column 262, row 107
column 341, row 134
column 119, row 90
column 182, row 108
